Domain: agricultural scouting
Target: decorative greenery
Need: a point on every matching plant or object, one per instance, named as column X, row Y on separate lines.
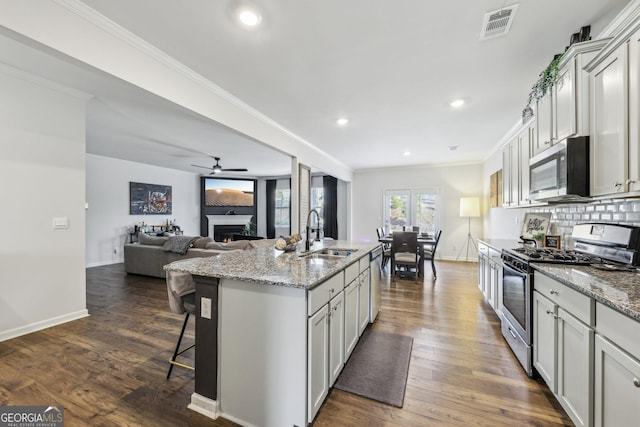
column 250, row 229
column 547, row 78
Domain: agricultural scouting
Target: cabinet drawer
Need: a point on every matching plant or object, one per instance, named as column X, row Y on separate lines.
column 580, row 305
column 321, row 294
column 617, row 327
column 351, row 273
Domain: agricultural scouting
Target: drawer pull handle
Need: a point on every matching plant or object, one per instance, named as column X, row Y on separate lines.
column 553, row 292
column 636, row 382
column 331, row 290
column 512, row 333
column 549, row 312
column 335, row 308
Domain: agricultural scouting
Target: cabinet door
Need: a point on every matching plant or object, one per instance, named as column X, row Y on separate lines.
column 506, row 175
column 634, row 112
column 524, row 154
column 544, row 121
column 351, row 317
column 544, row 339
column 515, row 171
column 318, row 360
column 363, row 306
column 617, row 386
column 609, row 139
column 336, row 337
column 565, row 101
column 495, row 270
column 575, row 364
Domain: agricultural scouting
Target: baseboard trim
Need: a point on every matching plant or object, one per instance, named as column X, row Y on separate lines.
column 43, row 324
column 101, row 263
column 205, row 406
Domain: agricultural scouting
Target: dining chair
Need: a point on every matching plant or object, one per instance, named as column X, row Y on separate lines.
column 182, row 300
column 386, row 248
column 405, row 253
column 430, row 253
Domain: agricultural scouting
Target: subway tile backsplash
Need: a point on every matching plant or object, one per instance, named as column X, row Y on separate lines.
column 564, row 217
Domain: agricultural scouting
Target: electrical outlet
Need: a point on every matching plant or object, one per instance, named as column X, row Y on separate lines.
column 115, row 251
column 205, row 308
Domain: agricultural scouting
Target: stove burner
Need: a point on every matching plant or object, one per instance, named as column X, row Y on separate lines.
column 554, row 255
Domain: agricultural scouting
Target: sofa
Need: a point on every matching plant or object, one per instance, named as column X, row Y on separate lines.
column 151, row 253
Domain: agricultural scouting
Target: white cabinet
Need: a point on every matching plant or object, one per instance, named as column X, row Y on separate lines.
column 609, row 116
column 363, row 297
column 634, row 113
column 515, row 169
column 563, row 345
column 544, row 121
column 351, row 326
column 490, row 276
column 575, row 362
column 564, row 95
column 617, row 369
column 544, row 338
column 318, row 360
column 336, row 337
column 483, row 266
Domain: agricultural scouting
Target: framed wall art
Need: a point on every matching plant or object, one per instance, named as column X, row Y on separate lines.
column 552, row 241
column 149, row 199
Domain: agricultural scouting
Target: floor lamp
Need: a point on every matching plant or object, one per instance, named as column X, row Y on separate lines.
column 469, row 207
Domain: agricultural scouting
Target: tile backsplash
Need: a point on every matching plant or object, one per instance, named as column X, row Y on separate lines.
column 565, row 216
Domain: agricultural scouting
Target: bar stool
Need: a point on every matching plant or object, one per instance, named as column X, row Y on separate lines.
column 182, row 299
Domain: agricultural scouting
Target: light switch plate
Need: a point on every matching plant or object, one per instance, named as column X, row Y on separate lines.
column 205, row 308
column 60, row 223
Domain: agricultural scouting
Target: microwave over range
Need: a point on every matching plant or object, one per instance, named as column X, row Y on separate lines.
column 561, row 172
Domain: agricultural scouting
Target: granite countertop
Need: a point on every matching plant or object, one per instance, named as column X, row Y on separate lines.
column 619, row 290
column 269, row 266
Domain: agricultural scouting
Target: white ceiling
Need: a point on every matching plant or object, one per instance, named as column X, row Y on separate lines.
column 390, row 67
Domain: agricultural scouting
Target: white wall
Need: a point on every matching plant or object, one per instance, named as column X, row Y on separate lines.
column 42, row 170
column 499, row 223
column 453, row 182
column 108, row 219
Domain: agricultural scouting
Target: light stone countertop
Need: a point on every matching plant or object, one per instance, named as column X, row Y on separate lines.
column 269, row 266
column 619, row 290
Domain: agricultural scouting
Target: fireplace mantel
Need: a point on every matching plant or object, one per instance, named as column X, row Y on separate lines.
column 227, row 220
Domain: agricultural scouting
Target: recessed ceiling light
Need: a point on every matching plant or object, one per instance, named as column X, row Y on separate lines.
column 453, row 147
column 342, row 121
column 407, row 153
column 457, row 103
column 249, row 17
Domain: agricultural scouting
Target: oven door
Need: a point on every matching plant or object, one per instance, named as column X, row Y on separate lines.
column 516, row 300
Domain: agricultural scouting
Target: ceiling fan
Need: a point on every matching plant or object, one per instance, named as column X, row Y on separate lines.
column 216, row 169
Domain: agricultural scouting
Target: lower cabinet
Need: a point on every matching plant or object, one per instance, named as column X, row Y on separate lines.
column 490, row 276
column 363, row 297
column 563, row 346
column 318, row 360
column 617, row 369
column 336, row 337
column 351, row 326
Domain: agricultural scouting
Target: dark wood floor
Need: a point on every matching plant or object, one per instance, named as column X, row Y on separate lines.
column 109, row 369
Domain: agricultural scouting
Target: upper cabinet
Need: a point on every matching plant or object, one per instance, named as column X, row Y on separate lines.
column 515, row 168
column 544, row 119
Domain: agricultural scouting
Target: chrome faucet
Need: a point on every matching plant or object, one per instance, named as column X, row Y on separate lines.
column 307, row 242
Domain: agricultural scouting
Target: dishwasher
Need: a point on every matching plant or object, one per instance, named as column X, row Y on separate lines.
column 375, row 264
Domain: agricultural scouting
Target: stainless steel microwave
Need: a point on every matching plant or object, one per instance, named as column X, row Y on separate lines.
column 561, row 172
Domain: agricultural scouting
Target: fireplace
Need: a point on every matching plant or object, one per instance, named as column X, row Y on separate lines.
column 227, row 224
column 224, row 233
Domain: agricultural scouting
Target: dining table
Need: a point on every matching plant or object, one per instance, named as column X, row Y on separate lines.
column 423, row 240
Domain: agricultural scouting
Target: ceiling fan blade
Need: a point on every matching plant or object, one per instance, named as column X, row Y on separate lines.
column 203, row 167
column 235, row 170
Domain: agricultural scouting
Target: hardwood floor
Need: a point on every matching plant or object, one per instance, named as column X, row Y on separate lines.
column 109, row 369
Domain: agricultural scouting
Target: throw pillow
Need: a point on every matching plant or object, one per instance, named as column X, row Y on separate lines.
column 201, row 242
column 146, row 239
column 231, row 246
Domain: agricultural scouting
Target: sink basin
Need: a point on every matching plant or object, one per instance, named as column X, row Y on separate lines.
column 329, row 253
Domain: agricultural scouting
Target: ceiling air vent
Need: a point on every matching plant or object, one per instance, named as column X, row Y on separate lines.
column 497, row 22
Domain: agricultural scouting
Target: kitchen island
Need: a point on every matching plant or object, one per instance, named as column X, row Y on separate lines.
column 274, row 329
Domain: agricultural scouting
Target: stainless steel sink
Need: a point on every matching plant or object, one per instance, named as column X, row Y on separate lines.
column 329, row 253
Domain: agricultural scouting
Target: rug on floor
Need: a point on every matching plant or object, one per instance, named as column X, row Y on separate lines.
column 378, row 367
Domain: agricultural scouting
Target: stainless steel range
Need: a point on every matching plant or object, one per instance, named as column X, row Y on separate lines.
column 594, row 243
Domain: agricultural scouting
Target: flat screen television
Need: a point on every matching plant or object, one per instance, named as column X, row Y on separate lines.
column 229, row 192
